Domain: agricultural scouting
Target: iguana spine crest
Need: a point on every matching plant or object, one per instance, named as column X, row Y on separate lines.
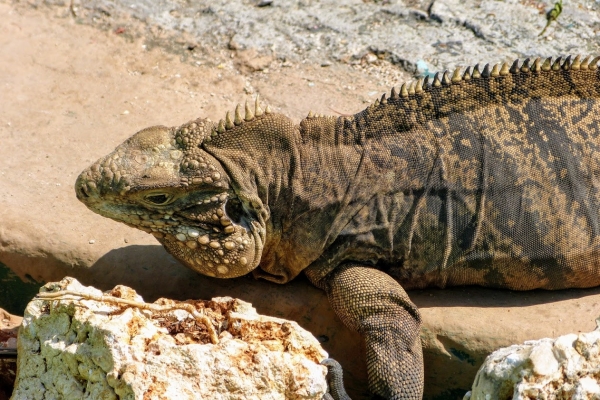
column 423, row 84
column 249, row 115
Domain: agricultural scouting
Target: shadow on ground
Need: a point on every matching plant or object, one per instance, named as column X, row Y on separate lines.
column 153, row 273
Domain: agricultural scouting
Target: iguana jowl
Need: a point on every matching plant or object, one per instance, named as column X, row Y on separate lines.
column 485, row 178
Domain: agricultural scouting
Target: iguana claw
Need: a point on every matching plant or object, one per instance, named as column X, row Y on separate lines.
column 335, row 380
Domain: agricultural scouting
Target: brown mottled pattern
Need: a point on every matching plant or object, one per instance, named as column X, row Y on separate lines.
column 488, row 177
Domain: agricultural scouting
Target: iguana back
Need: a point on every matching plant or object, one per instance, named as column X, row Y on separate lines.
column 492, row 180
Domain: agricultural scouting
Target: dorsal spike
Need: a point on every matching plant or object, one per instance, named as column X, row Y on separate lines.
column 238, row 115
column 547, row 65
column 221, row 127
column 419, row 87
column 556, row 64
column 436, row 80
column 404, row 90
column 567, row 63
column 585, row 63
column 525, row 66
column 376, row 103
column 311, row 114
column 268, row 109
column 495, row 71
column 426, row 82
column 412, row 88
column 394, row 94
column 467, row 74
column 486, row 71
column 594, row 63
column 257, row 110
column 576, row 64
column 228, row 121
column 536, row 67
column 249, row 114
column 446, row 78
column 504, row 70
column 383, row 99
column 476, row 73
column 515, row 67
column 456, row 75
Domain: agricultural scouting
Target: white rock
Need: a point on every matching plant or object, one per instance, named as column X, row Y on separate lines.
column 86, row 349
column 564, row 368
column 543, row 359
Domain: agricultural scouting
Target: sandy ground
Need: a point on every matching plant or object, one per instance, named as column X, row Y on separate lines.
column 69, row 93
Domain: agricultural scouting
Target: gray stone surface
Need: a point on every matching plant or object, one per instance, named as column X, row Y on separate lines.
column 442, row 34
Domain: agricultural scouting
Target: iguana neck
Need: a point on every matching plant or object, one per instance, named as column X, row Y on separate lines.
column 324, row 192
column 261, row 159
column 296, row 177
column 258, row 156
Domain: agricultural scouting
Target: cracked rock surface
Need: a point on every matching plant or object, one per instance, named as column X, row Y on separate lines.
column 80, row 348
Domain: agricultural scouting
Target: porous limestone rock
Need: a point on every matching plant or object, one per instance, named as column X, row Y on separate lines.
column 80, row 345
column 567, row 367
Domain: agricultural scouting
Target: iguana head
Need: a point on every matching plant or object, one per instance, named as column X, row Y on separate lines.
column 162, row 181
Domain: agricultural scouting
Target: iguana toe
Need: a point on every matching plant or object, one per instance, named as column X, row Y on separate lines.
column 335, row 379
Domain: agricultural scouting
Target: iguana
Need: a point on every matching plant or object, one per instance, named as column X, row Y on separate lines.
column 489, row 177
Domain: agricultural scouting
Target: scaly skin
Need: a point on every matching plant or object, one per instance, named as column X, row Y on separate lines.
column 487, row 178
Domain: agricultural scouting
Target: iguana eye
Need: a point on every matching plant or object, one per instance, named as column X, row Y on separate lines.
column 159, row 199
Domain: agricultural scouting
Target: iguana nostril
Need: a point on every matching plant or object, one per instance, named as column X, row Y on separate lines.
column 81, row 189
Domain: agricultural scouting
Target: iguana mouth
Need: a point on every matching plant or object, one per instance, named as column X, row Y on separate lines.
column 219, row 248
column 203, row 236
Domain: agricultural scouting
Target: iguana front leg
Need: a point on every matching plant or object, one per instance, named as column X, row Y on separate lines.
column 375, row 305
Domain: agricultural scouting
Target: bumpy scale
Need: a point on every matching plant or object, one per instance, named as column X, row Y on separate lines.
column 484, row 177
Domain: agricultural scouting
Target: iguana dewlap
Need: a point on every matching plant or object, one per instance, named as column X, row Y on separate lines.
column 485, row 178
